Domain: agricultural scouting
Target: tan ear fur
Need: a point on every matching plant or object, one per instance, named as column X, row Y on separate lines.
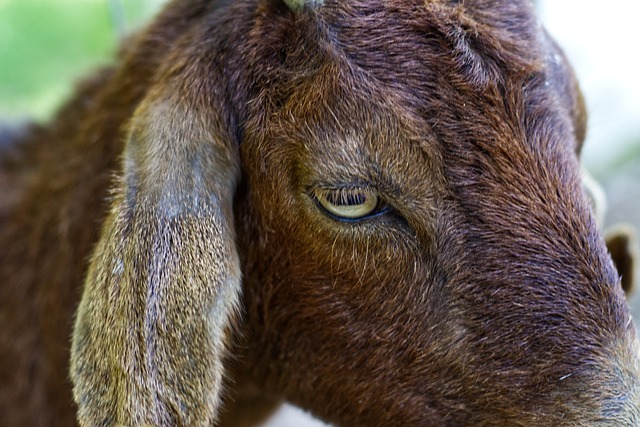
column 164, row 280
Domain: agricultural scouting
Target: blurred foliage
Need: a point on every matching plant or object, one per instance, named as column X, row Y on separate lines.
column 48, row 45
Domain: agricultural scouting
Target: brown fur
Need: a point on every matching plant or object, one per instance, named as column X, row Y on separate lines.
column 483, row 296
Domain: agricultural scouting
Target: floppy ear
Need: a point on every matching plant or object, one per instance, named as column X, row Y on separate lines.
column 163, row 283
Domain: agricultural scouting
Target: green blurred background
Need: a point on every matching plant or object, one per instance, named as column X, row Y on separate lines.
column 47, row 45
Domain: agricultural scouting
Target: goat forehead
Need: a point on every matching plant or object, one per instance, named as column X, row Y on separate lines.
column 470, row 94
column 415, row 42
column 377, row 75
column 433, row 59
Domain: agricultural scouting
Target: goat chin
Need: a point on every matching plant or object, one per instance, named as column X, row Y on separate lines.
column 372, row 210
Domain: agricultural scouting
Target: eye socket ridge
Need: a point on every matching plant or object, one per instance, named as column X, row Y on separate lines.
column 349, row 204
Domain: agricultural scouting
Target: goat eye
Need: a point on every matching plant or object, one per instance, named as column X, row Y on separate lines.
column 348, row 204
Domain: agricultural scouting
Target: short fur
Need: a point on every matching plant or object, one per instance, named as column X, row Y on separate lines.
column 484, row 296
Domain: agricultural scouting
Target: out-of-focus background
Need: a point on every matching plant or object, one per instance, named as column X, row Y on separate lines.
column 47, row 45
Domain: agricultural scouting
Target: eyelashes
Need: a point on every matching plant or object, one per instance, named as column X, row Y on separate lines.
column 349, row 204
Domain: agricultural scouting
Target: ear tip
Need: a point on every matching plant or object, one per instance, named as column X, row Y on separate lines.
column 622, row 243
column 300, row 4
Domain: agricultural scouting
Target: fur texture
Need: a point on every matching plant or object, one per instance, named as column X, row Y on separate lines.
column 480, row 293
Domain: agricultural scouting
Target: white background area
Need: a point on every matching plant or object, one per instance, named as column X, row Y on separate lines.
column 602, row 41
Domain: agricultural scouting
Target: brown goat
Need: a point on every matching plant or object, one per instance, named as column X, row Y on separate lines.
column 393, row 185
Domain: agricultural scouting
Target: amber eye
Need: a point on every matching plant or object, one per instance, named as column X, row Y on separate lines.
column 349, row 204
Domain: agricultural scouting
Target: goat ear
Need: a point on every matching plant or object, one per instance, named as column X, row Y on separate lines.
column 163, row 283
column 623, row 247
column 620, row 240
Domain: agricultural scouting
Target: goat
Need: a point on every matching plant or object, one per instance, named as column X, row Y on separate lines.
column 371, row 209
